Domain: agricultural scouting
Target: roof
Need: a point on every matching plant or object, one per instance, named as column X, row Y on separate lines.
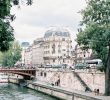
column 57, row 32
column 81, row 65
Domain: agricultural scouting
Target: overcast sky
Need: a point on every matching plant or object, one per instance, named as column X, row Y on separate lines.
column 32, row 21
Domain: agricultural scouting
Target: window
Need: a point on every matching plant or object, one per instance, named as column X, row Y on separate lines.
column 59, row 51
column 63, row 50
column 45, row 74
column 53, row 60
column 41, row 74
column 58, row 33
column 53, row 48
column 63, row 39
column 59, row 46
column 47, row 34
column 67, row 46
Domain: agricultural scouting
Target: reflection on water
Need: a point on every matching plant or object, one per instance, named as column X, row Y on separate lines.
column 14, row 92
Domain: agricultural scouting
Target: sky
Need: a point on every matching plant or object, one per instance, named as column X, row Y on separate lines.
column 33, row 21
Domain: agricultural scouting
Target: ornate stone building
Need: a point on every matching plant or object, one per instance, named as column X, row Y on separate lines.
column 37, row 52
column 54, row 48
column 57, row 47
column 82, row 55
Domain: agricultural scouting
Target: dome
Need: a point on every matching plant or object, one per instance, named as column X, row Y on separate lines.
column 57, row 32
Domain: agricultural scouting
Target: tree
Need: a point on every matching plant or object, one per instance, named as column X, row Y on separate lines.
column 96, row 34
column 6, row 31
column 13, row 55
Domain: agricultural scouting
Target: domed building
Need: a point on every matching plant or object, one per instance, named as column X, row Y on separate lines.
column 57, row 47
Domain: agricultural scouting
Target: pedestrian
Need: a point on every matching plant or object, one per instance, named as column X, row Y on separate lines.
column 95, row 91
column 86, row 89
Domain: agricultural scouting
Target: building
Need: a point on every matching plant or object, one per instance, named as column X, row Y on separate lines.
column 37, row 52
column 57, row 47
column 54, row 48
column 82, row 55
column 28, row 56
column 24, row 46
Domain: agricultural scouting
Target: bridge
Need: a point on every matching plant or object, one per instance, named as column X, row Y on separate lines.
column 26, row 73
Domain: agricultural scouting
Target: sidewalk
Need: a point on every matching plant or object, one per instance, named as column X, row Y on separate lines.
column 88, row 94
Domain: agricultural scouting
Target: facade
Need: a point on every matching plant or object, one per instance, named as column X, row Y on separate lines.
column 57, row 47
column 28, row 56
column 37, row 52
column 33, row 55
column 24, row 46
column 82, row 55
column 54, row 48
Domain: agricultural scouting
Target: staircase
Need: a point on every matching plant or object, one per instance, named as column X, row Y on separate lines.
column 52, row 79
column 82, row 82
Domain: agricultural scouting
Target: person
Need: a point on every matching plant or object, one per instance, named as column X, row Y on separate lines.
column 86, row 89
column 97, row 91
column 57, row 83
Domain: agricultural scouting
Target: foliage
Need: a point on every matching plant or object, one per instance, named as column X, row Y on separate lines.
column 17, row 2
column 6, row 31
column 13, row 55
column 96, row 35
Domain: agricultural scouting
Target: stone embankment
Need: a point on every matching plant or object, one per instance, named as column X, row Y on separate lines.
column 65, row 94
column 81, row 80
column 58, row 91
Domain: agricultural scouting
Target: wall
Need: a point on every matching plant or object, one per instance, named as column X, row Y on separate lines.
column 95, row 80
column 69, row 81
column 62, row 93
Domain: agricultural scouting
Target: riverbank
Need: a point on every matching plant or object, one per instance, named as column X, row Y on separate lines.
column 57, row 91
column 64, row 94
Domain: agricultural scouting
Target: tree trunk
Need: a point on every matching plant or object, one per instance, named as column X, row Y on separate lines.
column 107, row 75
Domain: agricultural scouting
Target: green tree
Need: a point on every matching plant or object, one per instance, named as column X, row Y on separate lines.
column 13, row 55
column 6, row 31
column 96, row 33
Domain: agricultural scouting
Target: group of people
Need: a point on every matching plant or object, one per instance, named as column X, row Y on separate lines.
column 96, row 91
column 57, row 83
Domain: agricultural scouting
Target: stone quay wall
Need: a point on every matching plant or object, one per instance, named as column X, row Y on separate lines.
column 69, row 80
column 41, row 84
column 62, row 93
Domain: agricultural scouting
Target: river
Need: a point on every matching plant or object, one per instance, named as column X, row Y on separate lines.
column 15, row 92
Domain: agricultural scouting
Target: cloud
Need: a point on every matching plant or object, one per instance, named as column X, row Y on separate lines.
column 32, row 21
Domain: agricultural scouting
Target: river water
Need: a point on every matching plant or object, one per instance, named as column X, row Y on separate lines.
column 15, row 92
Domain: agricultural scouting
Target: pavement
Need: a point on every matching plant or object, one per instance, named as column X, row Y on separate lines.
column 88, row 94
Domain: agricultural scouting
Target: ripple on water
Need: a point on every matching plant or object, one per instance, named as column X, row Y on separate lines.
column 14, row 92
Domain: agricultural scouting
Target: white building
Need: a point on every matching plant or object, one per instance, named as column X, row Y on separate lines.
column 28, row 56
column 82, row 55
column 54, row 48
column 37, row 52
column 57, row 47
column 24, row 46
column 33, row 55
